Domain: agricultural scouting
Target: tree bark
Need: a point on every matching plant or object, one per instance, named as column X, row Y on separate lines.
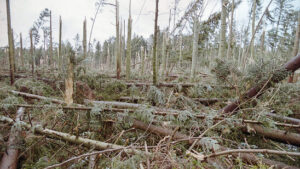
column 253, row 27
column 70, row 79
column 51, row 60
column 21, row 51
column 11, row 155
column 279, row 135
column 296, row 46
column 60, row 59
column 230, row 36
column 10, row 44
column 258, row 90
column 117, row 52
column 128, row 51
column 223, row 30
column 31, row 53
column 84, row 41
column 195, row 49
column 155, row 45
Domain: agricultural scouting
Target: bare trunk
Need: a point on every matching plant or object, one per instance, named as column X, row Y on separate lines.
column 154, row 45
column 21, row 50
column 69, row 81
column 51, row 60
column 10, row 44
column 296, row 46
column 195, row 49
column 223, row 30
column 117, row 52
column 128, row 51
column 31, row 53
column 253, row 27
column 229, row 51
column 60, row 59
column 84, row 40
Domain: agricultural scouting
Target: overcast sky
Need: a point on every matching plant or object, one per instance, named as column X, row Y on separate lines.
column 73, row 12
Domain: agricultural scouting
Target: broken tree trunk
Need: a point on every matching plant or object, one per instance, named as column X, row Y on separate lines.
column 257, row 90
column 246, row 157
column 33, row 96
column 279, row 135
column 10, row 157
column 284, row 119
column 71, row 138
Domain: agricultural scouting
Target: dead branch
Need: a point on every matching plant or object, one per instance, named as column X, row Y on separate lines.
column 10, row 157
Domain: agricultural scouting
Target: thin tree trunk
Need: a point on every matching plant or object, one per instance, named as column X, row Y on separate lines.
column 180, row 51
column 84, row 39
column 51, row 60
column 223, row 30
column 195, row 49
column 10, row 44
column 31, row 53
column 143, row 54
column 60, row 59
column 155, row 45
column 117, row 51
column 253, row 27
column 296, row 46
column 14, row 56
column 163, row 54
column 230, row 36
column 21, row 51
column 128, row 51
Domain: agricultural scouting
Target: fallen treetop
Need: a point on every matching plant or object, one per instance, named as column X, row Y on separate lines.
column 257, row 90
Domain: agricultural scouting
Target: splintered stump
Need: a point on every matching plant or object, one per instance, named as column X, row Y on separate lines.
column 258, row 90
column 10, row 157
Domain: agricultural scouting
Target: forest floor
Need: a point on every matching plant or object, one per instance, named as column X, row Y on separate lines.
column 132, row 124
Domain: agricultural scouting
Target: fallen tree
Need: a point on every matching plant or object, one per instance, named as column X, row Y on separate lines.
column 157, row 112
column 10, row 157
column 246, row 157
column 258, row 90
column 279, row 135
column 72, row 138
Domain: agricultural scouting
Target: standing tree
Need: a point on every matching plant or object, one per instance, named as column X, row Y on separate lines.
column 253, row 27
column 31, row 52
column 51, row 45
column 155, row 45
column 69, row 81
column 10, row 44
column 21, row 51
column 195, row 48
column 296, row 45
column 230, row 36
column 98, row 55
column 118, row 50
column 60, row 59
column 223, row 30
column 128, row 51
column 84, row 39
